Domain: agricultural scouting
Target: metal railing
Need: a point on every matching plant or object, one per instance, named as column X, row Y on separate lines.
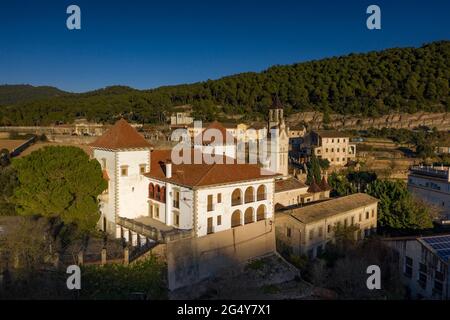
column 153, row 232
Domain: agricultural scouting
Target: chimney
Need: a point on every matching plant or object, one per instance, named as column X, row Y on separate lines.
column 168, row 169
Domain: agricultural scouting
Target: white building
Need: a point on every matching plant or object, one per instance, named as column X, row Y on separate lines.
column 424, row 265
column 145, row 187
column 181, row 119
column 431, row 184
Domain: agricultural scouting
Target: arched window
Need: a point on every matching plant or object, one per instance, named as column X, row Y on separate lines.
column 236, row 197
column 261, row 193
column 249, row 195
column 236, row 219
column 157, row 192
column 162, row 195
column 248, row 216
column 261, row 213
column 151, row 191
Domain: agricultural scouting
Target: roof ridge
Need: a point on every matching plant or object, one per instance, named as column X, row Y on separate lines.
column 206, row 173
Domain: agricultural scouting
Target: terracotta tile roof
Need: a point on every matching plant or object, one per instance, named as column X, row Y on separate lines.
column 276, row 103
column 121, row 136
column 289, row 184
column 325, row 209
column 227, row 137
column 331, row 134
column 314, row 187
column 324, row 184
column 199, row 175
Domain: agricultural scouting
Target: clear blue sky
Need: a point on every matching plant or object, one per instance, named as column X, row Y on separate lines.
column 146, row 44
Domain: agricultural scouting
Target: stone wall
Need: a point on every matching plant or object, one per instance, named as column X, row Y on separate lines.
column 395, row 120
column 191, row 260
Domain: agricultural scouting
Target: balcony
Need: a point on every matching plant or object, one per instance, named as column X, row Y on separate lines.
column 236, row 201
column 261, row 197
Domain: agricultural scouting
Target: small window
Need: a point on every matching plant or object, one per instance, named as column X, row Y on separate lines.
column 124, row 171
column 367, row 214
column 142, row 168
column 311, row 234
column 210, row 202
column 219, row 220
column 373, row 213
column 320, row 231
column 176, row 219
column 219, row 198
column 156, row 211
column 353, row 220
column 329, row 228
column 288, row 232
column 360, row 217
column 176, row 198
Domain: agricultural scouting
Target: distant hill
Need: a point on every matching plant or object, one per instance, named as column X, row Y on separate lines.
column 11, row 94
column 368, row 85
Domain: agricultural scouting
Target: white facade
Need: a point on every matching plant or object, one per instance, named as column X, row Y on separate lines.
column 126, row 195
column 206, row 209
column 220, row 213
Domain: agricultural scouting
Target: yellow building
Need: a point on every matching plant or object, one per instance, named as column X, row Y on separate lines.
column 306, row 230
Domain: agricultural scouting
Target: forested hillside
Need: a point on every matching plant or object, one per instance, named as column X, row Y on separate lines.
column 371, row 84
column 10, row 94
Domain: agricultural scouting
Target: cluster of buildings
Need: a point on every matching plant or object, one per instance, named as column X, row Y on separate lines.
column 205, row 217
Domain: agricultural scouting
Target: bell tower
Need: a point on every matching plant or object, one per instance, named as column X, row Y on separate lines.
column 280, row 141
column 276, row 115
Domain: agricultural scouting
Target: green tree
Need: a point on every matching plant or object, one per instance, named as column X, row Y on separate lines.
column 116, row 281
column 60, row 182
column 5, row 158
column 397, row 208
column 340, row 185
column 8, row 182
column 324, row 164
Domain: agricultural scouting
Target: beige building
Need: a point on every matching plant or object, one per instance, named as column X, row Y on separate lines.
column 293, row 192
column 181, row 119
column 334, row 146
column 297, row 131
column 306, row 230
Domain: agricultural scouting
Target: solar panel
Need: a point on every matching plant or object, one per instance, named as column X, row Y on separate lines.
column 440, row 244
column 436, row 240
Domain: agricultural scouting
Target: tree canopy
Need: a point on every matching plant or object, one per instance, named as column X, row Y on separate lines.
column 397, row 208
column 8, row 182
column 369, row 84
column 60, row 182
column 314, row 170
